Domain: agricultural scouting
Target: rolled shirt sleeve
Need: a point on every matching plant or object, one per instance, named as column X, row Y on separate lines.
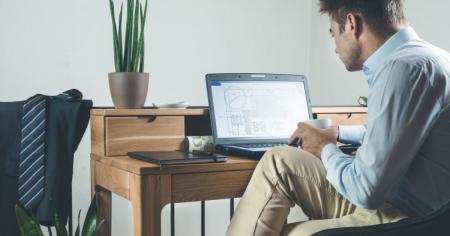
column 351, row 134
column 404, row 104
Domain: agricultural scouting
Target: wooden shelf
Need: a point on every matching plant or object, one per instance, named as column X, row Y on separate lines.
column 204, row 111
column 149, row 112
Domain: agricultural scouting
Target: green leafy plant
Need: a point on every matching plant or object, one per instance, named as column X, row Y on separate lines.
column 129, row 53
column 362, row 101
column 28, row 225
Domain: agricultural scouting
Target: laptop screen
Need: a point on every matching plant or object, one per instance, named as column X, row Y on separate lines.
column 258, row 108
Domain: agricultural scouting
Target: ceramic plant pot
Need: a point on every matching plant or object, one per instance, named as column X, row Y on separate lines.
column 128, row 89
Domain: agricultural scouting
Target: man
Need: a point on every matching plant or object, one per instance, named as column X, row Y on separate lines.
column 402, row 168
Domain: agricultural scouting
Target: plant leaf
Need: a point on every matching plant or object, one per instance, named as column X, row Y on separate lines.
column 137, row 54
column 135, row 35
column 115, row 37
column 60, row 227
column 122, row 67
column 90, row 221
column 141, row 66
column 27, row 224
column 77, row 231
column 127, row 36
column 362, row 101
column 141, row 39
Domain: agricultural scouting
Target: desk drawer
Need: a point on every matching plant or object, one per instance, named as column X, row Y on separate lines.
column 214, row 185
column 344, row 119
column 143, row 133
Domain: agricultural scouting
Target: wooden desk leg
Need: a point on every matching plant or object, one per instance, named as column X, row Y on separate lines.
column 103, row 203
column 148, row 195
column 104, row 210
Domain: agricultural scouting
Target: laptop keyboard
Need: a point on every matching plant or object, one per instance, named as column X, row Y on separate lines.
column 261, row 145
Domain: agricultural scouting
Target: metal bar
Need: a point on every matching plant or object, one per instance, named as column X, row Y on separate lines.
column 203, row 218
column 172, row 219
column 231, row 207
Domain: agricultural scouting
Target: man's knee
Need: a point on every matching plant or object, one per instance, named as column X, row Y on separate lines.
column 286, row 163
column 285, row 157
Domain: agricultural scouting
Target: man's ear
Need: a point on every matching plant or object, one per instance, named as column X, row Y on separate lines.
column 354, row 25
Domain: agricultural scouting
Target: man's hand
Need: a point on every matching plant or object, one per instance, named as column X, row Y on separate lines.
column 313, row 139
column 336, row 131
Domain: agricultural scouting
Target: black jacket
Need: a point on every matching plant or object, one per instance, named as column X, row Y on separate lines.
column 67, row 120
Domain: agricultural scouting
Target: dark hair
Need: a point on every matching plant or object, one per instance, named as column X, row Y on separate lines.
column 379, row 15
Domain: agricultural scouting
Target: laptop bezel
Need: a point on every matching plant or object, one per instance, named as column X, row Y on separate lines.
column 250, row 77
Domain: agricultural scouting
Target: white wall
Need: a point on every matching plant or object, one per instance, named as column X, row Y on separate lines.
column 331, row 84
column 191, row 38
column 431, row 20
column 49, row 46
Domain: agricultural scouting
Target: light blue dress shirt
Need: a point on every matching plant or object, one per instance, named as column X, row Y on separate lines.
column 404, row 156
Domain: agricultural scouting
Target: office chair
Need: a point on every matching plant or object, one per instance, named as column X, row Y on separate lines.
column 435, row 223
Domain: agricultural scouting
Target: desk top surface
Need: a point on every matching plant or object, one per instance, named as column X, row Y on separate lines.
column 141, row 167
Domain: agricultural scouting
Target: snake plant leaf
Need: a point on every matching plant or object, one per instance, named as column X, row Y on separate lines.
column 90, row 222
column 137, row 54
column 129, row 46
column 27, row 224
column 126, row 39
column 77, row 231
column 128, row 33
column 115, row 37
column 135, row 36
column 141, row 39
column 120, row 39
column 141, row 67
column 59, row 226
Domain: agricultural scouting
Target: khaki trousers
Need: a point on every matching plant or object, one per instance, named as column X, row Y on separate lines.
column 287, row 176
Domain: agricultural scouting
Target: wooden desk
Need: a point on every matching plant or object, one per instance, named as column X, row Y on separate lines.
column 114, row 132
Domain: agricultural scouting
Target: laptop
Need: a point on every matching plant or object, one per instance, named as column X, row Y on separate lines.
column 251, row 113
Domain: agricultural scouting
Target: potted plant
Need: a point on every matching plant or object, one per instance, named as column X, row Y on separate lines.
column 129, row 84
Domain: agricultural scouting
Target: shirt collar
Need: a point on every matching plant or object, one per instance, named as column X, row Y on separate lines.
column 387, row 49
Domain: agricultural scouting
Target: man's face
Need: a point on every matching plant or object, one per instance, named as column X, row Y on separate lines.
column 347, row 46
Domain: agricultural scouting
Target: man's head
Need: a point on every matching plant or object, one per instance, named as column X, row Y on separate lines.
column 359, row 27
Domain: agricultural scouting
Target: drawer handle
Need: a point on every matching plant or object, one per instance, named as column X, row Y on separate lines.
column 151, row 119
column 349, row 115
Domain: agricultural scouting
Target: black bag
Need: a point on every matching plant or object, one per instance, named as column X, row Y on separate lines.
column 67, row 119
